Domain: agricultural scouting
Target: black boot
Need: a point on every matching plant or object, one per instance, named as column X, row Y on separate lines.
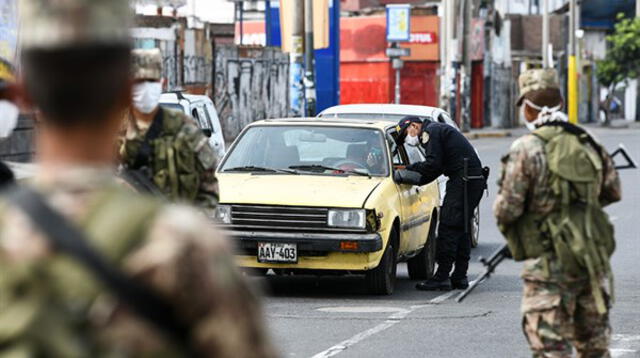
column 460, row 284
column 434, row 284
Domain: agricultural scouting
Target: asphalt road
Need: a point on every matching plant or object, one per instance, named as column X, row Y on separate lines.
column 327, row 316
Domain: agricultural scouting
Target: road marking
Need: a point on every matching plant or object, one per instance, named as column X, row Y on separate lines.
column 361, row 309
column 392, row 320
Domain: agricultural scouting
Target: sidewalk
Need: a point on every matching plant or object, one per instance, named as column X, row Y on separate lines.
column 491, row 133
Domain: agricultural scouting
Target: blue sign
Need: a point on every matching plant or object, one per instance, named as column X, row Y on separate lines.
column 327, row 59
column 398, row 22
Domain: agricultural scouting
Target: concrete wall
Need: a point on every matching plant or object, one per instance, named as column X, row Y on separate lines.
column 250, row 84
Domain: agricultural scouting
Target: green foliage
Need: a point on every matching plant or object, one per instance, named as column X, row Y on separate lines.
column 623, row 56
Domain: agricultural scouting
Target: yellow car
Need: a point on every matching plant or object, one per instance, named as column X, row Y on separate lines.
column 314, row 196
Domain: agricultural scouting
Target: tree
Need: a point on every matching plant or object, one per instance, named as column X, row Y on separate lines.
column 622, row 61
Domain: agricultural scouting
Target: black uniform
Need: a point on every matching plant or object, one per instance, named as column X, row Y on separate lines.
column 445, row 150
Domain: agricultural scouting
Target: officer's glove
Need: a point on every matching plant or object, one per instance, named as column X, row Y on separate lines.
column 403, row 176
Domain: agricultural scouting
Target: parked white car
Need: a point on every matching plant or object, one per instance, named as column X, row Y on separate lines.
column 394, row 113
column 201, row 109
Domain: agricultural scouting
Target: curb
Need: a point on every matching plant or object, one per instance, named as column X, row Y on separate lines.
column 493, row 134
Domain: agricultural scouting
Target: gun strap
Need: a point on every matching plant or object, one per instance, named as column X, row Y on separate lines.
column 65, row 237
column 154, row 131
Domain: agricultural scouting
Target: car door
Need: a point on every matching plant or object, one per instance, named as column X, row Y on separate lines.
column 217, row 139
column 425, row 198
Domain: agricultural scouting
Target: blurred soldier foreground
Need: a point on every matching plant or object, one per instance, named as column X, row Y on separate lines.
column 52, row 304
column 554, row 184
column 166, row 144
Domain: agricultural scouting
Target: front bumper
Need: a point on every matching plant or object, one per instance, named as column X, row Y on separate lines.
column 309, row 243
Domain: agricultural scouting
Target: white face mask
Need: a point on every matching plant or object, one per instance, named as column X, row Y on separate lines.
column 8, row 118
column 146, row 96
column 411, row 140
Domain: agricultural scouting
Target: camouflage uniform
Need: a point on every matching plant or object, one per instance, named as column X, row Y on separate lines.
column 558, row 310
column 51, row 305
column 188, row 175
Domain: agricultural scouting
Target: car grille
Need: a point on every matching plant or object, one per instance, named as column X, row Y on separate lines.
column 282, row 218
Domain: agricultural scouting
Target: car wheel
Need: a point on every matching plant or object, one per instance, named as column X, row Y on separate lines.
column 422, row 266
column 475, row 227
column 382, row 279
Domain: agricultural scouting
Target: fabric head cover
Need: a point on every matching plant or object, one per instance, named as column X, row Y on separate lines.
column 147, row 64
column 536, row 80
column 47, row 24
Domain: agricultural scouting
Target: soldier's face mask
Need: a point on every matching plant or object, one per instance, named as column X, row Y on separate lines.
column 146, row 96
column 545, row 114
column 8, row 118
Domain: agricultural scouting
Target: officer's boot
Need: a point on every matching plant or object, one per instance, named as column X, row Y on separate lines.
column 459, row 276
column 439, row 282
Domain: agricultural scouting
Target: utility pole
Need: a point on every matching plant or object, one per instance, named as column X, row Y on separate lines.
column 296, row 59
column 572, row 77
column 309, row 62
column 465, row 75
column 545, row 34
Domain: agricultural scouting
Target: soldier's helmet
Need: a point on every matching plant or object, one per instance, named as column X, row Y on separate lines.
column 539, row 86
column 46, row 24
column 147, row 64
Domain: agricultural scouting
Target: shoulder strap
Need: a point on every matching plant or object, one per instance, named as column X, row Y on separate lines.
column 65, row 237
column 154, row 131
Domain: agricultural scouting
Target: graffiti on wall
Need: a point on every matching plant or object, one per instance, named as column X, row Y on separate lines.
column 250, row 85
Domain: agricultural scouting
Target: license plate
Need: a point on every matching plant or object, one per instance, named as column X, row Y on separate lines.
column 277, row 252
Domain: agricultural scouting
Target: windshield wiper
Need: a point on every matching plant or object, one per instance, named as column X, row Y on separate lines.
column 253, row 168
column 314, row 167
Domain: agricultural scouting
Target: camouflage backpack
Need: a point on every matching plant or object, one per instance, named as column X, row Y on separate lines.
column 578, row 230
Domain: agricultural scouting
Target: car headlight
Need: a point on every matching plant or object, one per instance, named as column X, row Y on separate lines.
column 223, row 214
column 352, row 218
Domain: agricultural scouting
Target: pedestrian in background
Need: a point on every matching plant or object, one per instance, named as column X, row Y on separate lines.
column 446, row 151
column 554, row 184
column 89, row 269
column 166, row 145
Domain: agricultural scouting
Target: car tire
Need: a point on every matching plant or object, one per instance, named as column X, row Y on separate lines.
column 475, row 227
column 382, row 279
column 422, row 266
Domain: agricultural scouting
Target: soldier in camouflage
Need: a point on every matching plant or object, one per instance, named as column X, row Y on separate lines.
column 76, row 71
column 559, row 310
column 166, row 143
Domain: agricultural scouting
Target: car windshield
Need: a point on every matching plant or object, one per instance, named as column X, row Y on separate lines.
column 309, row 149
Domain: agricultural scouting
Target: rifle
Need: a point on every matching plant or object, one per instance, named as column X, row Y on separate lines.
column 490, row 264
column 503, row 252
column 622, row 150
column 140, row 179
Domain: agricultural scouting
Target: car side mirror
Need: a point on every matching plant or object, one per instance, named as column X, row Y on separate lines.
column 207, row 132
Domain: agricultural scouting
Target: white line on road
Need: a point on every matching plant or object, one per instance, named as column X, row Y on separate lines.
column 390, row 322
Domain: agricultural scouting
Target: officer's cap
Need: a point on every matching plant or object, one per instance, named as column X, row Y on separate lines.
column 536, row 80
column 147, row 64
column 405, row 122
column 48, row 24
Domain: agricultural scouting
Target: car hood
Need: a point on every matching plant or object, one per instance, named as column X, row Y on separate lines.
column 296, row 190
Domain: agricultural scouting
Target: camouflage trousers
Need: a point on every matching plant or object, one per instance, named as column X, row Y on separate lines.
column 559, row 317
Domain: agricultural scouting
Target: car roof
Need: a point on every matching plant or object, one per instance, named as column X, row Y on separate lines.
column 382, row 108
column 172, row 97
column 333, row 122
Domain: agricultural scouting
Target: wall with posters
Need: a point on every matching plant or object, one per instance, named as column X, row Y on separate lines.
column 366, row 75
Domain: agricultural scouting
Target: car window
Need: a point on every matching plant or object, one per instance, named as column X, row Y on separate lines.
column 173, row 106
column 208, row 119
column 414, row 153
column 309, row 148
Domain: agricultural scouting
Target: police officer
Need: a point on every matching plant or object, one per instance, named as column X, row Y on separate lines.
column 564, row 304
column 56, row 300
column 166, row 143
column 9, row 113
column 446, row 151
